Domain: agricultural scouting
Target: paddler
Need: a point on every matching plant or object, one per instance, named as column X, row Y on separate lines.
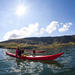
column 18, row 51
column 34, row 52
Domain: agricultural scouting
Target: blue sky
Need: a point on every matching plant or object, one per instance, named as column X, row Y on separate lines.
column 36, row 18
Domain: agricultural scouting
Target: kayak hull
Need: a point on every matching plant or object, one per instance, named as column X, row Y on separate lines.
column 46, row 57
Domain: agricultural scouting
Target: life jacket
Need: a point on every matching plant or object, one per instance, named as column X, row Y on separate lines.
column 18, row 52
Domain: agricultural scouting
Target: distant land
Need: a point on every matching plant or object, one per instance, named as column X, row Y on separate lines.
column 39, row 42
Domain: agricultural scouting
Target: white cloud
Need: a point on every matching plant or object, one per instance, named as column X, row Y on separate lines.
column 23, row 32
column 52, row 27
column 65, row 27
column 33, row 30
column 42, row 30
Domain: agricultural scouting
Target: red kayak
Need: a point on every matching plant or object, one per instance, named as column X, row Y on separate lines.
column 30, row 57
column 36, row 51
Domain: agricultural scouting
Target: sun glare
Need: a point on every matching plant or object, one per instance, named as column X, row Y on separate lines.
column 20, row 10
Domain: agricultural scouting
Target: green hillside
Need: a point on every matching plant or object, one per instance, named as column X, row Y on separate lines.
column 39, row 42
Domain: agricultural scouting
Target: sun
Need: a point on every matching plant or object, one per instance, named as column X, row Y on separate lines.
column 20, row 10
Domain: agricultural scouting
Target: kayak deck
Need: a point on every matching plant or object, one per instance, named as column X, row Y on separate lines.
column 30, row 57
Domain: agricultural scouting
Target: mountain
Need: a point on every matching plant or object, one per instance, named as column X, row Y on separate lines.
column 47, row 40
column 70, row 39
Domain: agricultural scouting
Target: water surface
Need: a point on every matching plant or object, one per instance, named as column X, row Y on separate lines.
column 64, row 65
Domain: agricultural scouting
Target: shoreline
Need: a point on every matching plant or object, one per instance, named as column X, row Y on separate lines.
column 39, row 47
